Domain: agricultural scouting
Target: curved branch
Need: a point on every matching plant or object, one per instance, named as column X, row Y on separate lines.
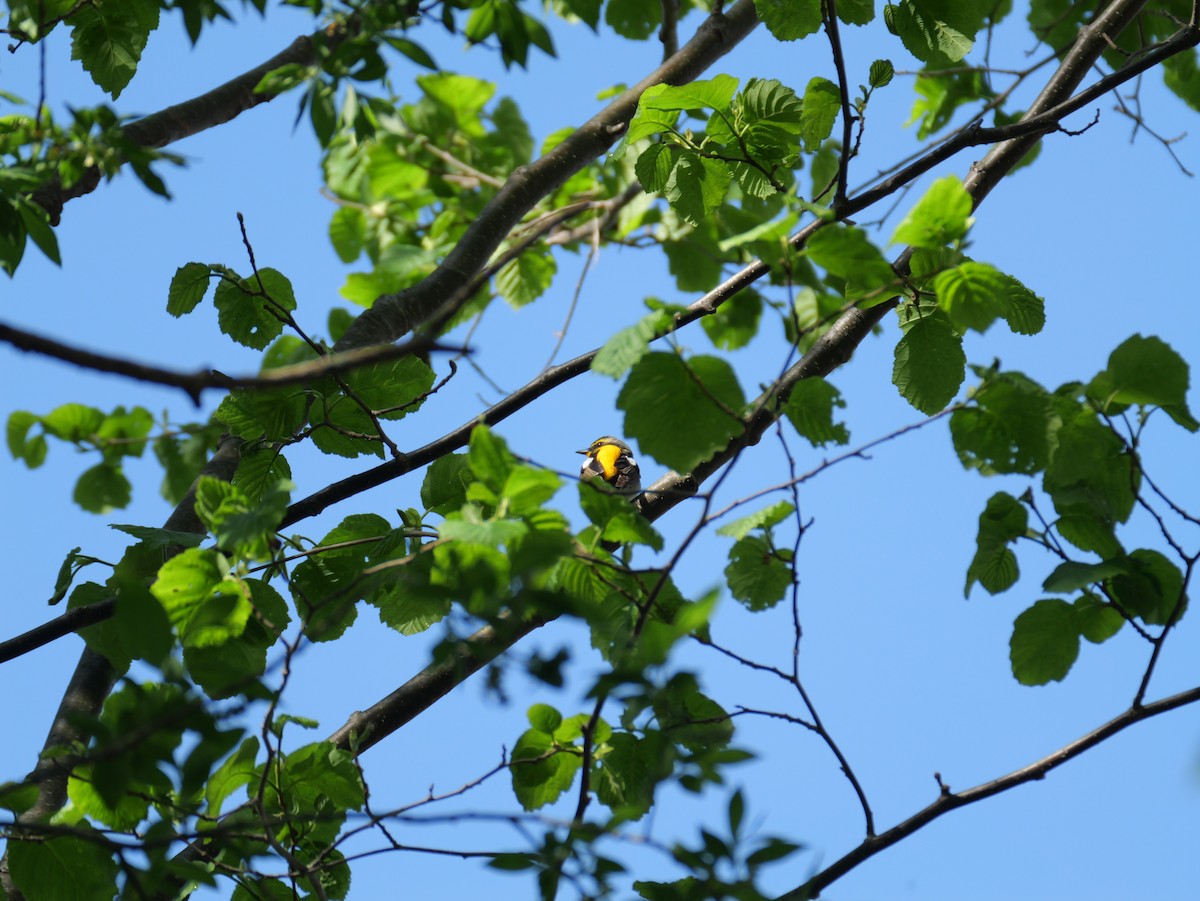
column 948, row 800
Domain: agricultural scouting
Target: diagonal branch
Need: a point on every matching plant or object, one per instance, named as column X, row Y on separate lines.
column 948, row 800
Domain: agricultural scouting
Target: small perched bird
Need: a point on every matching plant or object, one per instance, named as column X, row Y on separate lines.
column 611, row 459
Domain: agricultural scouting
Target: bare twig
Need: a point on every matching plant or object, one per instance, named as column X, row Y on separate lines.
column 948, row 800
column 193, row 384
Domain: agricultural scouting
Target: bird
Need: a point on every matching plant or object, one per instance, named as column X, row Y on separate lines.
column 610, row 459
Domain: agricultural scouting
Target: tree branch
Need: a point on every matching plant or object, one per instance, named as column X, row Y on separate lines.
column 948, row 800
column 193, row 384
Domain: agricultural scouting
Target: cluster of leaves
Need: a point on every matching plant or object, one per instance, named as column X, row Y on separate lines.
column 394, row 187
column 1083, row 440
column 38, row 151
column 115, row 436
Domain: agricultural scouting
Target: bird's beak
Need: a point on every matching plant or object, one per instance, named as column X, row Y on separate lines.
column 585, row 453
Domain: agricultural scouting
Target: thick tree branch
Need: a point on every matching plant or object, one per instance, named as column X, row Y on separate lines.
column 948, row 800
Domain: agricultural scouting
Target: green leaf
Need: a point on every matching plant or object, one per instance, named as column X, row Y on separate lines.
column 929, row 363
column 348, row 233
column 157, row 538
column 492, row 533
column 940, row 96
column 103, row 488
column 525, row 279
column 1098, row 621
column 540, row 772
column 735, row 322
column 628, row 345
column 12, row 235
column 409, row 606
column 822, row 106
column 790, row 20
column 1150, row 587
column 943, row 215
column 1044, row 643
column 653, row 167
column 445, row 485
column 392, row 389
column 243, row 526
column 188, row 287
column 809, row 409
column 490, row 458
column 762, row 519
column 994, row 565
column 1008, row 428
column 938, row 32
column 1145, row 371
column 695, row 262
column 544, row 718
column 108, row 39
column 139, row 628
column 73, row 422
column 67, row 866
column 690, row 718
column 237, row 770
column 696, row 186
column 1090, row 474
column 714, row 93
column 972, row 294
column 644, row 124
column 32, row 451
column 759, row 575
column 274, row 414
column 260, row 470
column 1181, row 75
column 326, row 586
column 205, row 604
column 847, row 253
column 527, row 488
column 1023, row 310
column 37, row 225
column 633, row 19
column 681, row 413
column 251, row 311
column 616, row 518
column 1071, row 576
column 882, row 70
column 629, row 771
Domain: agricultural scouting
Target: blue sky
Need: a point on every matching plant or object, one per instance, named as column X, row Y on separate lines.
column 909, row 677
